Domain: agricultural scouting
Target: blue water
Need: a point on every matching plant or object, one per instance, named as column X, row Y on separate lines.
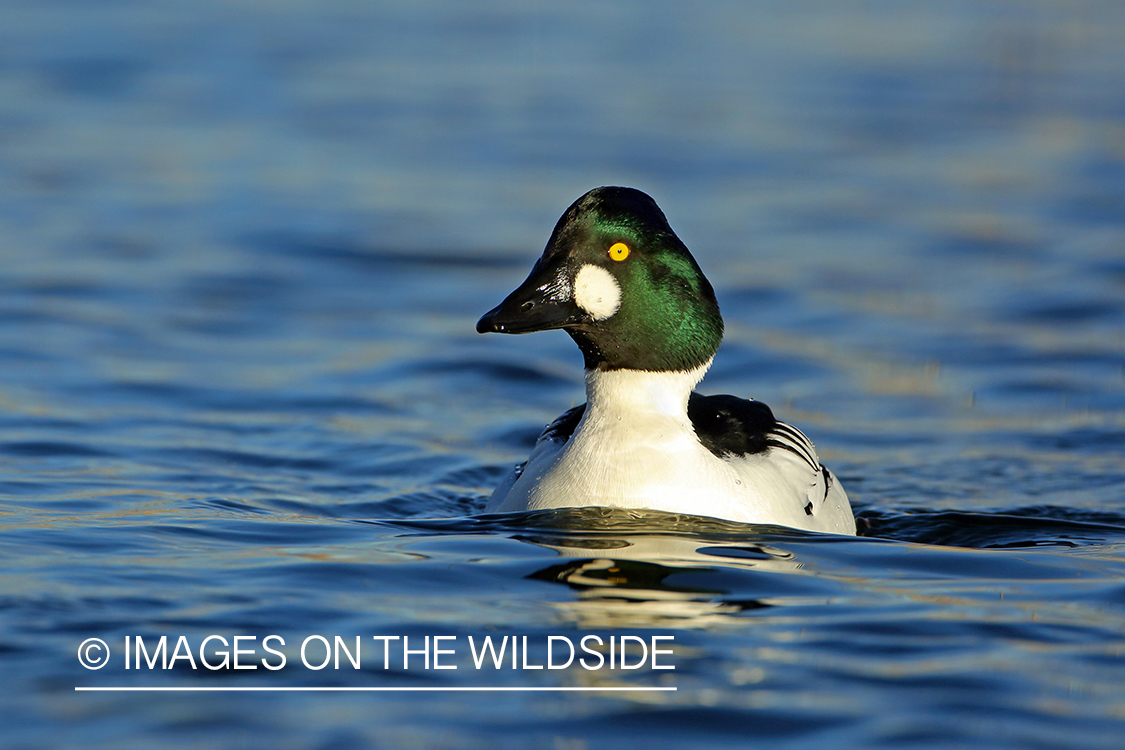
column 244, row 246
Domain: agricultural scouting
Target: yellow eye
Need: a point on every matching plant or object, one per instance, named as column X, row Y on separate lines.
column 619, row 251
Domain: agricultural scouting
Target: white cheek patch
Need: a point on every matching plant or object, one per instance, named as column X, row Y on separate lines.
column 597, row 292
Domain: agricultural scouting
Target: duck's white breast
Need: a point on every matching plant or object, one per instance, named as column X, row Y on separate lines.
column 636, row 448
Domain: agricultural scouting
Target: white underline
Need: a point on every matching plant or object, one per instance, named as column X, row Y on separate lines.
column 369, row 689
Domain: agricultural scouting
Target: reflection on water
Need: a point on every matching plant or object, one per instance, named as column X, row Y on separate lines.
column 660, row 578
column 646, row 569
column 631, row 593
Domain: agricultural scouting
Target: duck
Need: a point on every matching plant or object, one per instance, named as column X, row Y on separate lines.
column 621, row 283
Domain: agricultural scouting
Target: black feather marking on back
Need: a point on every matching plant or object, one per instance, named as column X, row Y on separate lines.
column 725, row 425
column 564, row 426
column 797, row 442
column 732, row 426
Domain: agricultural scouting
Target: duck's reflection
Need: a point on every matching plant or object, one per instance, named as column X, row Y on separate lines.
column 671, row 574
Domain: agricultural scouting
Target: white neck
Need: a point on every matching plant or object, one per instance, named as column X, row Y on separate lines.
column 640, row 391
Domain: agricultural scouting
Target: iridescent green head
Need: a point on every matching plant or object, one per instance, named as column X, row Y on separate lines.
column 617, row 279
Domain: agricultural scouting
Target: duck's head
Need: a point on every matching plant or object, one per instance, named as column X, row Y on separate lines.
column 617, row 279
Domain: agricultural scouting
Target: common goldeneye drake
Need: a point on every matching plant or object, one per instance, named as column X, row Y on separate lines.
column 617, row 279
